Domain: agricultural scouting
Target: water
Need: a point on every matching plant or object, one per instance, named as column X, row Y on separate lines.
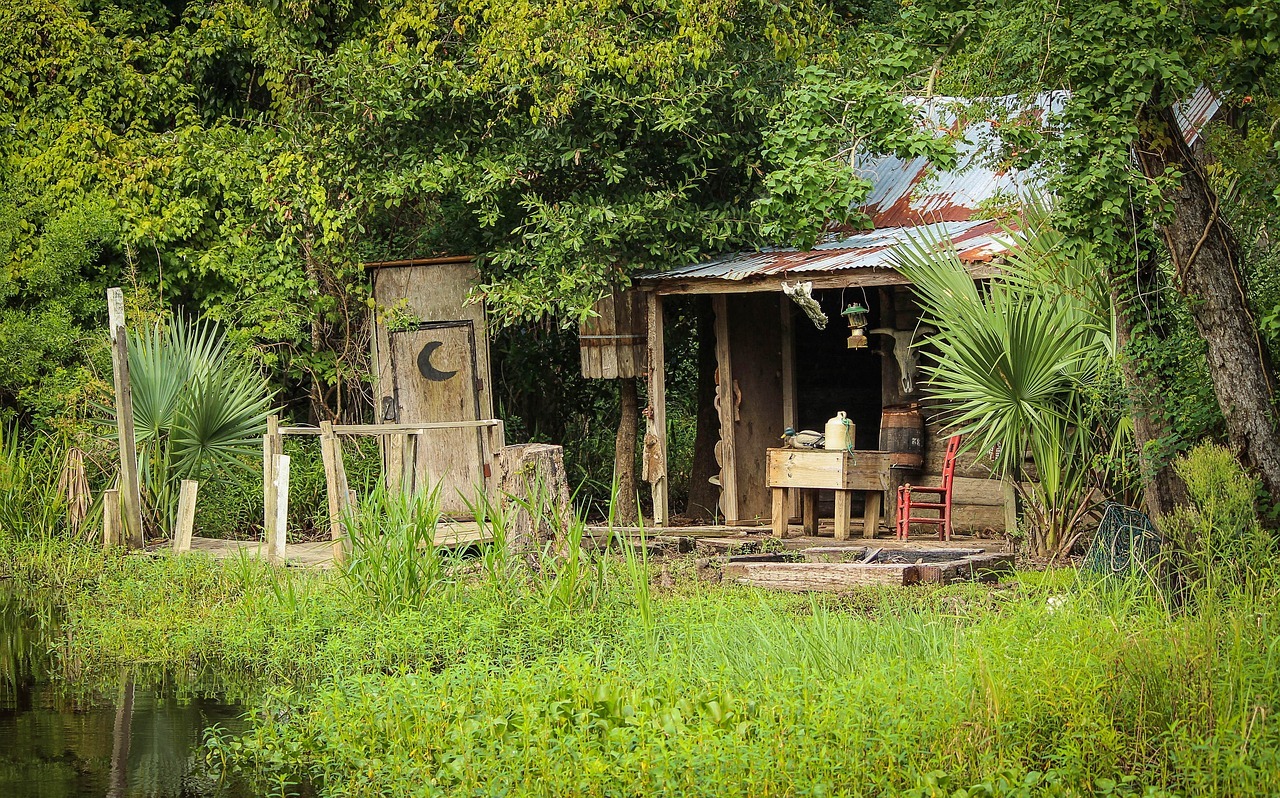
column 128, row 735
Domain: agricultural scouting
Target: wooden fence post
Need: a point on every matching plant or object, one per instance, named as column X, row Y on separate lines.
column 272, row 447
column 130, row 493
column 111, row 535
column 335, row 478
column 186, row 516
column 280, row 528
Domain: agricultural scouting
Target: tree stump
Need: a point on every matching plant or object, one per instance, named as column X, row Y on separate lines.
column 533, row 492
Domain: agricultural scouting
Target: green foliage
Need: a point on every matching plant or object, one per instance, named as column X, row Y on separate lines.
column 1034, row 691
column 392, row 553
column 31, row 505
column 1016, row 362
column 1219, row 546
column 198, row 409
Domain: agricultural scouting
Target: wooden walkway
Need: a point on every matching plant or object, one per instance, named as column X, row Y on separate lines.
column 319, row 553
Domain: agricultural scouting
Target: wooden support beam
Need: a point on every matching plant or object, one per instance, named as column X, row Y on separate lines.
column 656, row 460
column 728, row 457
column 789, row 413
column 387, row 429
column 280, row 528
column 112, row 535
column 186, row 516
column 130, row 491
column 336, row 489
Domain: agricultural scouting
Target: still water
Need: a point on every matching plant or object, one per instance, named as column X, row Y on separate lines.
column 128, row 735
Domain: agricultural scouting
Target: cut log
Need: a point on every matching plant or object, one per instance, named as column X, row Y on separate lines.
column 533, row 492
column 826, row 577
column 981, row 567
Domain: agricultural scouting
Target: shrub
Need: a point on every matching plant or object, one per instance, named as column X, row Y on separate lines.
column 1218, row 543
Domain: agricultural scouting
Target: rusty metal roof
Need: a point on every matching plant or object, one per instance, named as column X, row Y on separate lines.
column 976, row 241
column 910, row 196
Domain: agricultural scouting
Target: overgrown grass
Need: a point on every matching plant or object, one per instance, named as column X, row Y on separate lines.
column 505, row 686
column 562, row 671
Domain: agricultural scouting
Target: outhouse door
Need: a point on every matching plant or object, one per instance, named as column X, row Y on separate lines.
column 434, row 379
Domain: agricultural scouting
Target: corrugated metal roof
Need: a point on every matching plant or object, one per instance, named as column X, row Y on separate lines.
column 911, row 191
column 977, row 241
column 909, row 195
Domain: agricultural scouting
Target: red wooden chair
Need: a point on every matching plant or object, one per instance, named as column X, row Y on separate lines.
column 941, row 498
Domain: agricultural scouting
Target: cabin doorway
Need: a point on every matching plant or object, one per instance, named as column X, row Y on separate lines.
column 830, row 376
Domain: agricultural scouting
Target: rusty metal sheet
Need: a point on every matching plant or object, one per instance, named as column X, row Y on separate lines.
column 976, row 241
column 910, row 197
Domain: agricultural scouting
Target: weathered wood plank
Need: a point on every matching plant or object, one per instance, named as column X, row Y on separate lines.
column 827, row 469
column 280, row 529
column 724, row 394
column 827, row 577
column 385, row 429
column 111, row 523
column 335, row 488
column 130, row 489
column 656, row 419
column 186, row 515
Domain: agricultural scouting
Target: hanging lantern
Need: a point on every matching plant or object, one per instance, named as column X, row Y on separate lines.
column 856, row 315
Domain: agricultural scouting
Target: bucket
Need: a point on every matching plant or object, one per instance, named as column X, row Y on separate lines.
column 902, row 435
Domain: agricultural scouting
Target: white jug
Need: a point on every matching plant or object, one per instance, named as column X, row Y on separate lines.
column 839, row 432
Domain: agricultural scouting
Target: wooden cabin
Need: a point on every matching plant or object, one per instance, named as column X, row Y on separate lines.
column 776, row 369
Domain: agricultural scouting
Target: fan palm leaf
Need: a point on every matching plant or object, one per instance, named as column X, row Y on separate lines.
column 196, row 406
column 1015, row 357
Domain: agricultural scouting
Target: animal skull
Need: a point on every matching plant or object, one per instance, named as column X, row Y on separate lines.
column 905, row 352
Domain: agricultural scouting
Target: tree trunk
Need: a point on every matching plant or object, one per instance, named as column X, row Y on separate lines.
column 1162, row 488
column 535, row 494
column 624, row 453
column 1206, row 260
column 703, row 496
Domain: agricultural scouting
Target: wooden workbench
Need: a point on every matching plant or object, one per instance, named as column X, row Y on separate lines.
column 812, row 470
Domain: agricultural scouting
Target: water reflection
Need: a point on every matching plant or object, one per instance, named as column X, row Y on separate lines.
column 133, row 735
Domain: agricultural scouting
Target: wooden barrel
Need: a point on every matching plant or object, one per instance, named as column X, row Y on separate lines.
column 902, row 435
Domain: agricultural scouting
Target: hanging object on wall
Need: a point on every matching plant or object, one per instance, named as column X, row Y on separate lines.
column 802, row 295
column 905, row 352
column 856, row 315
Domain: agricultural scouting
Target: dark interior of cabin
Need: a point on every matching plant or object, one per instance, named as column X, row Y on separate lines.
column 830, row 377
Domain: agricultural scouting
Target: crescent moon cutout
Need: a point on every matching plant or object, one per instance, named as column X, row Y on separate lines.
column 427, row 369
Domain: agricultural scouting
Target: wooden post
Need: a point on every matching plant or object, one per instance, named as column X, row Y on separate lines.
column 656, row 461
column 111, row 534
column 728, row 457
column 130, row 493
column 781, row 511
column 843, row 509
column 280, row 527
column 871, row 513
column 789, row 381
column 186, row 516
column 1010, row 497
column 272, row 448
column 809, row 511
column 335, row 480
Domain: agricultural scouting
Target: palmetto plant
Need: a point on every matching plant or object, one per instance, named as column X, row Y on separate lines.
column 1016, row 361
column 199, row 409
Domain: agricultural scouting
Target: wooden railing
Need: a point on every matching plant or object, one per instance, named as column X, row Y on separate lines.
column 402, row 444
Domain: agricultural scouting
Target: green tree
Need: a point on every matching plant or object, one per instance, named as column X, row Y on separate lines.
column 1126, row 178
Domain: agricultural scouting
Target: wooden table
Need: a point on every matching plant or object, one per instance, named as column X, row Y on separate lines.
column 812, row 470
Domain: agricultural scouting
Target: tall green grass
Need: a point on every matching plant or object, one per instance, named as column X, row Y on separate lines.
column 569, row 671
